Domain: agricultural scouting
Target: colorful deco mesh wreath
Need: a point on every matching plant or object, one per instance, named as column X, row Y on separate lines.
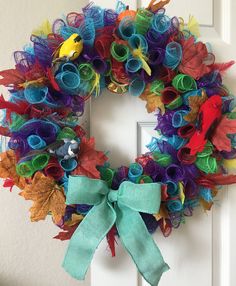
column 150, row 56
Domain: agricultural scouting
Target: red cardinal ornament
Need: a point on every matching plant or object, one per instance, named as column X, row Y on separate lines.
column 208, row 117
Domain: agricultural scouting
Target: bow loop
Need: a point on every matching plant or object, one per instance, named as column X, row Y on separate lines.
column 86, row 191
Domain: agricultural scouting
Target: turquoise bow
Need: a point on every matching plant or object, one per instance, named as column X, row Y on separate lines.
column 121, row 207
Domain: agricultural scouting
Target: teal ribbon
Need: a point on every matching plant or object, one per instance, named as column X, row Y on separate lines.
column 121, row 207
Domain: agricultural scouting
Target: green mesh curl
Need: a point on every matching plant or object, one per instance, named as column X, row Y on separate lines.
column 207, row 151
column 145, row 179
column 175, row 103
column 17, row 122
column 184, row 83
column 163, row 160
column 40, row 161
column 232, row 115
column 86, row 72
column 143, row 20
column 107, row 175
column 66, row 133
column 25, row 169
column 207, row 164
column 157, row 86
column 119, row 52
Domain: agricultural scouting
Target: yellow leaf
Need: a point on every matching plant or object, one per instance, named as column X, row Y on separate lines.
column 139, row 54
column 206, row 205
column 193, row 26
column 181, row 192
column 75, row 219
column 43, row 30
column 47, row 197
column 230, row 164
column 163, row 213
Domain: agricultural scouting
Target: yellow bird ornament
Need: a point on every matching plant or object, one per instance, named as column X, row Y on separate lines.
column 70, row 49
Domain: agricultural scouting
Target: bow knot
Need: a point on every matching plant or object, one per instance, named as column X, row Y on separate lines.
column 112, row 196
column 131, row 199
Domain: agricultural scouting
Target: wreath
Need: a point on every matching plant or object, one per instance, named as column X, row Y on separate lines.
column 151, row 56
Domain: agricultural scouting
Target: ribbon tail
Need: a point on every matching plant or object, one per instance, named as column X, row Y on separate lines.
column 140, row 245
column 86, row 239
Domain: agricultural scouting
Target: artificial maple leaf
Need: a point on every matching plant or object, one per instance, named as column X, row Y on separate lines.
column 193, row 58
column 165, row 226
column 205, row 205
column 153, row 101
column 195, row 102
column 222, row 67
column 212, row 180
column 163, row 213
column 164, row 194
column 219, row 139
column 20, row 107
column 8, row 169
column 111, row 240
column 11, row 77
column 4, row 131
column 47, row 197
column 67, row 232
column 89, row 158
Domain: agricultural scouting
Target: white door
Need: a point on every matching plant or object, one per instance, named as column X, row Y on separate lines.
column 201, row 252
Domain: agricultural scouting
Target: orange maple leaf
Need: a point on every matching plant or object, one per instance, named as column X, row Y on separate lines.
column 88, row 159
column 8, row 169
column 195, row 103
column 47, row 197
column 153, row 101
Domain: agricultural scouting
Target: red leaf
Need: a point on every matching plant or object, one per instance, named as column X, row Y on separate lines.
column 220, row 140
column 164, row 194
column 165, row 226
column 4, row 131
column 89, row 158
column 36, row 72
column 80, row 132
column 222, row 67
column 194, row 54
column 67, row 232
column 111, row 240
column 9, row 183
column 54, row 41
column 11, row 77
column 19, row 107
column 211, row 180
column 52, row 79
